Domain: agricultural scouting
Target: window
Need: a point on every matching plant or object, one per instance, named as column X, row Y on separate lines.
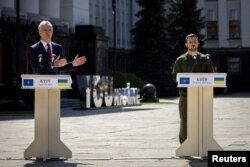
column 234, row 65
column 212, row 30
column 212, row 20
column 234, row 29
column 234, row 19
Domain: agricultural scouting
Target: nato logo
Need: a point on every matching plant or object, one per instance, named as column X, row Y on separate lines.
column 184, row 80
column 28, row 82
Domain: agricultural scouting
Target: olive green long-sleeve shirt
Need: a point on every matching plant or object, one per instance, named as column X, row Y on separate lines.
column 188, row 64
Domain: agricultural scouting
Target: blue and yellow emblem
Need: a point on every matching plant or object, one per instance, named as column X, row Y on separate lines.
column 62, row 82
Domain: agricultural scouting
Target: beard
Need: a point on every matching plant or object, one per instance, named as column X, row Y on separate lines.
column 193, row 49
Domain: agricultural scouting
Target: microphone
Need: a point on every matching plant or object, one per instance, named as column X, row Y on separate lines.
column 208, row 56
column 53, row 56
column 195, row 58
column 40, row 56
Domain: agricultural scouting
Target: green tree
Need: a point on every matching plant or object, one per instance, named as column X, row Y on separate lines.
column 184, row 19
column 150, row 56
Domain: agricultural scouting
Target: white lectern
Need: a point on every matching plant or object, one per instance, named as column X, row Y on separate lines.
column 199, row 112
column 47, row 143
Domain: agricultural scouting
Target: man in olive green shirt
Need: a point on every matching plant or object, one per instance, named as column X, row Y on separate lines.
column 190, row 62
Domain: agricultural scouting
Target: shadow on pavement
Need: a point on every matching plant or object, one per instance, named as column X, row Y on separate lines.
column 233, row 95
column 15, row 117
column 104, row 110
column 53, row 163
column 198, row 163
column 68, row 112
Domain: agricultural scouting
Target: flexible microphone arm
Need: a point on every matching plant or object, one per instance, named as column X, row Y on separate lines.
column 53, row 56
column 195, row 58
column 208, row 56
column 40, row 57
column 199, row 61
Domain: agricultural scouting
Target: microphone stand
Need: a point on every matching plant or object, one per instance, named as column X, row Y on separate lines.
column 53, row 56
column 195, row 59
column 40, row 56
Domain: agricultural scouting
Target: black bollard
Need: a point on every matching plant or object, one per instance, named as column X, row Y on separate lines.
column 149, row 93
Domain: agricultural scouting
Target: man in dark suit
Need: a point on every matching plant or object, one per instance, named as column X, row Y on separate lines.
column 45, row 55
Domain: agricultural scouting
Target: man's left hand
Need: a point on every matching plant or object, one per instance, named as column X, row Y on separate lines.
column 79, row 60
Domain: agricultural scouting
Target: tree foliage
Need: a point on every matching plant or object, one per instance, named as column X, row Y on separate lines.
column 150, row 58
column 184, row 19
column 158, row 38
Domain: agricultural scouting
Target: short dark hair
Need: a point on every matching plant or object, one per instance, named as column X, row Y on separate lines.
column 191, row 36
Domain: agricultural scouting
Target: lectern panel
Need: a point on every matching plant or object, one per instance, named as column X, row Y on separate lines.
column 46, row 82
column 201, row 79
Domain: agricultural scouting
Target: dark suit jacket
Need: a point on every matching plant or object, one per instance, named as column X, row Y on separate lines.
column 45, row 66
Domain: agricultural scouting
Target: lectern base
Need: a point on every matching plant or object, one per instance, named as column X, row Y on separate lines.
column 190, row 148
column 38, row 150
column 199, row 123
column 47, row 143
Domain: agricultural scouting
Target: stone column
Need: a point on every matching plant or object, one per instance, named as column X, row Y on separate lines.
column 7, row 3
column 245, row 34
column 50, row 9
column 75, row 12
column 29, row 6
column 223, row 23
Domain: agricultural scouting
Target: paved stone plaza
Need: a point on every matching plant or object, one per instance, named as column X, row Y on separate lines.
column 138, row 136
